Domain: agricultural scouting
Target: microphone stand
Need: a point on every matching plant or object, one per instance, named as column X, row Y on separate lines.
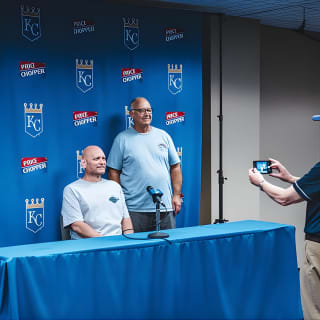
column 158, row 234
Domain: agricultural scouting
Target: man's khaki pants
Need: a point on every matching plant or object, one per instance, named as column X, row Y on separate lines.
column 310, row 281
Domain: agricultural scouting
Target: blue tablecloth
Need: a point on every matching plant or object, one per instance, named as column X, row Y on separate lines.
column 239, row 270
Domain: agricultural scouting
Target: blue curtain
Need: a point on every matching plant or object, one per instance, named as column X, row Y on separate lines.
column 68, row 70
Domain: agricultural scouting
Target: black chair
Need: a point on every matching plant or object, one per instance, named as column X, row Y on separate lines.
column 65, row 232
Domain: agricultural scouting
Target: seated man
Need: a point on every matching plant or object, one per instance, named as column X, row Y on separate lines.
column 93, row 206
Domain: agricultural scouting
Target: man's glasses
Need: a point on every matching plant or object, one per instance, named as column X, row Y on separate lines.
column 143, row 110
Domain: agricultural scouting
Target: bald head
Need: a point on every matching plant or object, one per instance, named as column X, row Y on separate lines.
column 94, row 163
column 90, row 150
column 138, row 102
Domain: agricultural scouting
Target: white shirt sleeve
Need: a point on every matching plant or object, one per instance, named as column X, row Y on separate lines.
column 71, row 211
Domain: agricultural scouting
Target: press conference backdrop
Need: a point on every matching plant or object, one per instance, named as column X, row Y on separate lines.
column 68, row 71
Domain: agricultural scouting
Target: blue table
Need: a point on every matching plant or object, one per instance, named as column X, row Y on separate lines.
column 239, row 270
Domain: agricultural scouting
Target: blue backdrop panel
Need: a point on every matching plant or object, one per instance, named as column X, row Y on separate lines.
column 68, row 56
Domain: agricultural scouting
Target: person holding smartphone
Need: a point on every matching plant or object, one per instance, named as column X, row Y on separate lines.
column 307, row 189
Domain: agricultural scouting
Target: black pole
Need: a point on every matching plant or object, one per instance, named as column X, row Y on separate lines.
column 221, row 178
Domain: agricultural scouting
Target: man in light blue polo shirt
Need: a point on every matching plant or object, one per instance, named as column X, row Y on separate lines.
column 145, row 156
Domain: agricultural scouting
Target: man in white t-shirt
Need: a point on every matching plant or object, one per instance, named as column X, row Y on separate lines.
column 93, row 206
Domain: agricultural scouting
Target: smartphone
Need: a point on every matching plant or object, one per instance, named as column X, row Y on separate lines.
column 263, row 166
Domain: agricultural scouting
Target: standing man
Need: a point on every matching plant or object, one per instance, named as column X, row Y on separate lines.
column 93, row 206
column 145, row 156
column 307, row 189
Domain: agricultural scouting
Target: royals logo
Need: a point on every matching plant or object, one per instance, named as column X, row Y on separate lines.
column 84, row 75
column 174, row 78
column 33, row 164
column 34, row 214
column 131, row 74
column 131, row 33
column 173, row 34
column 81, row 118
column 179, row 152
column 30, row 20
column 80, row 169
column 82, row 26
column 129, row 120
column 174, row 117
column 33, row 122
column 28, row 69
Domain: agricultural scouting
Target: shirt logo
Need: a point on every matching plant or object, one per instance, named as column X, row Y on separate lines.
column 113, row 199
column 28, row 69
column 33, row 164
column 174, row 78
column 30, row 23
column 33, row 121
column 84, row 75
column 173, row 34
column 34, row 214
column 82, row 26
column 174, row 117
column 131, row 33
column 131, row 74
column 162, row 147
column 81, row 118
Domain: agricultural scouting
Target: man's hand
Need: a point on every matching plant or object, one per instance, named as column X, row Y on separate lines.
column 255, row 177
column 176, row 203
column 282, row 174
column 84, row 230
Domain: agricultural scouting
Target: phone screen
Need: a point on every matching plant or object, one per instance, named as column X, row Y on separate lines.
column 263, row 166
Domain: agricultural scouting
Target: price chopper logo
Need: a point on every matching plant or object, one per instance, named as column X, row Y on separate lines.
column 28, row 69
column 34, row 214
column 131, row 74
column 174, row 78
column 174, row 34
column 81, row 118
column 174, row 117
column 80, row 169
column 34, row 164
column 33, row 121
column 82, row 26
column 131, row 33
column 84, row 75
column 30, row 21
column 129, row 120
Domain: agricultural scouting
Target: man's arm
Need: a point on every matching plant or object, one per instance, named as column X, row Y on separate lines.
column 126, row 225
column 84, row 230
column 282, row 196
column 176, row 180
column 114, row 175
column 282, row 174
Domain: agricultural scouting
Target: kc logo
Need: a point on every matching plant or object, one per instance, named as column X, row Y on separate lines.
column 179, row 152
column 80, row 170
column 174, row 78
column 34, row 215
column 33, row 122
column 84, row 75
column 129, row 120
column 131, row 33
column 30, row 20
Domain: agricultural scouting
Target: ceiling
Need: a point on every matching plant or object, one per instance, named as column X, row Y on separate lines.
column 291, row 14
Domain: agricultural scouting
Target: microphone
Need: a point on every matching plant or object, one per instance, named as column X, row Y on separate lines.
column 155, row 193
column 316, row 117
